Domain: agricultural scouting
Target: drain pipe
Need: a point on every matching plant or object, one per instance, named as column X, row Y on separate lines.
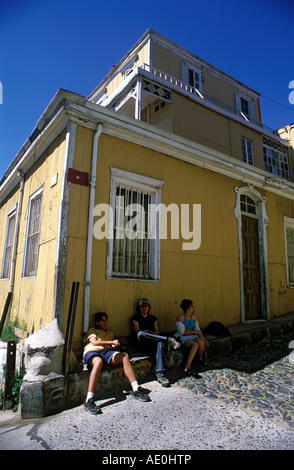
column 16, row 231
column 87, row 281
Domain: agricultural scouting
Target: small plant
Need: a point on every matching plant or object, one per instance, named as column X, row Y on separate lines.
column 15, row 391
column 8, row 330
column 13, row 396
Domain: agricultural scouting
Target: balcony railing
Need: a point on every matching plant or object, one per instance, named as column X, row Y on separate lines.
column 182, row 86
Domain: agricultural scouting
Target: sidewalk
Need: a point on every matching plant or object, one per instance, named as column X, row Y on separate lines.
column 181, row 419
column 244, row 401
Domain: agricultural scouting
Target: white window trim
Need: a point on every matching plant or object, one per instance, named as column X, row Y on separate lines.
column 24, row 264
column 11, row 213
column 262, row 224
column 246, row 150
column 288, row 223
column 101, row 97
column 129, row 67
column 280, row 152
column 136, row 181
column 251, row 108
column 185, row 67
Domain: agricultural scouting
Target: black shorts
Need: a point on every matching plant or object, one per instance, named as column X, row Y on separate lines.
column 105, row 354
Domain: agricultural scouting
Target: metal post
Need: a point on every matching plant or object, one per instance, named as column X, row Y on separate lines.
column 69, row 329
column 10, row 368
column 5, row 311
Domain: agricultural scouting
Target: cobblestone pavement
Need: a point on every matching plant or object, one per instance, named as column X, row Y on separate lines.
column 258, row 379
column 244, row 401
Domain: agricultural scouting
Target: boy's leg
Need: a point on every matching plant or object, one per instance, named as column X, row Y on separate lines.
column 123, row 358
column 156, row 344
column 96, row 366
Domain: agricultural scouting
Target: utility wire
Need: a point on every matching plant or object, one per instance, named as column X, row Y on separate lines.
column 276, row 102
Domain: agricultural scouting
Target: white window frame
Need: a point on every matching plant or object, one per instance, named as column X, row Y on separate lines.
column 251, row 110
column 136, row 182
column 129, row 67
column 185, row 68
column 288, row 225
column 10, row 216
column 245, row 145
column 101, row 97
column 275, row 157
column 33, row 273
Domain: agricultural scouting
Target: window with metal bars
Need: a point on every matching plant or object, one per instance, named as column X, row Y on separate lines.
column 8, row 247
column 289, row 249
column 133, row 250
column 31, row 251
column 132, row 243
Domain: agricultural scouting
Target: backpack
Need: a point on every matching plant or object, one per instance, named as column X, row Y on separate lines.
column 216, row 328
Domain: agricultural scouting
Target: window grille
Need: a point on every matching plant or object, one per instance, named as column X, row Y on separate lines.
column 275, row 158
column 33, row 235
column 134, row 225
column 7, row 254
column 132, row 240
column 290, row 255
column 289, row 250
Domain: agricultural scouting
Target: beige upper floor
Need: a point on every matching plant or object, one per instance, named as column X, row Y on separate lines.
column 164, row 85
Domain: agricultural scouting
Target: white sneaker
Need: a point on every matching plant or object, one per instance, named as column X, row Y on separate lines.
column 174, row 344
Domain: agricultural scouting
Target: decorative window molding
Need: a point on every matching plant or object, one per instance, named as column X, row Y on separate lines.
column 289, row 250
column 250, row 202
column 192, row 76
column 137, row 257
column 8, row 245
column 245, row 106
column 31, row 248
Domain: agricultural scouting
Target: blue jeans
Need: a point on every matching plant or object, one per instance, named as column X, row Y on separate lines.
column 154, row 343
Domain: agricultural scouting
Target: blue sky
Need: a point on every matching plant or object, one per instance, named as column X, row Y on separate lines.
column 73, row 44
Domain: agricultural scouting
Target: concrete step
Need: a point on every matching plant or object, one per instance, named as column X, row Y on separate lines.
column 56, row 393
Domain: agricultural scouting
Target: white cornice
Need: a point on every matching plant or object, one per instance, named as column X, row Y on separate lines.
column 151, row 137
column 68, row 106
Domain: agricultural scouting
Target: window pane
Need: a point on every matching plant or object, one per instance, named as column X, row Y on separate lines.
column 131, row 245
column 8, row 246
column 275, row 158
column 32, row 248
column 290, row 255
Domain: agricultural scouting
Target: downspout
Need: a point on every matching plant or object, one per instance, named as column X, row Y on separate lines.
column 87, row 281
column 16, row 232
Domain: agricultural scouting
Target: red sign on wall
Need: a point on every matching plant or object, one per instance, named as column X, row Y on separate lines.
column 77, row 177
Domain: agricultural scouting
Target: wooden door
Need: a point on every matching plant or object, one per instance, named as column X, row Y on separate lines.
column 251, row 270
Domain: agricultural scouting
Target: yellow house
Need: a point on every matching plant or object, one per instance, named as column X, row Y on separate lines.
column 162, row 183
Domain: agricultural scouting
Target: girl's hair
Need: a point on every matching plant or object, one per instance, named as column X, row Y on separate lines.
column 185, row 304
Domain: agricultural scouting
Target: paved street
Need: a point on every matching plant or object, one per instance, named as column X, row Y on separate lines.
column 225, row 410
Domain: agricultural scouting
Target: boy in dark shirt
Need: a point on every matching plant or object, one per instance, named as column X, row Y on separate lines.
column 147, row 333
